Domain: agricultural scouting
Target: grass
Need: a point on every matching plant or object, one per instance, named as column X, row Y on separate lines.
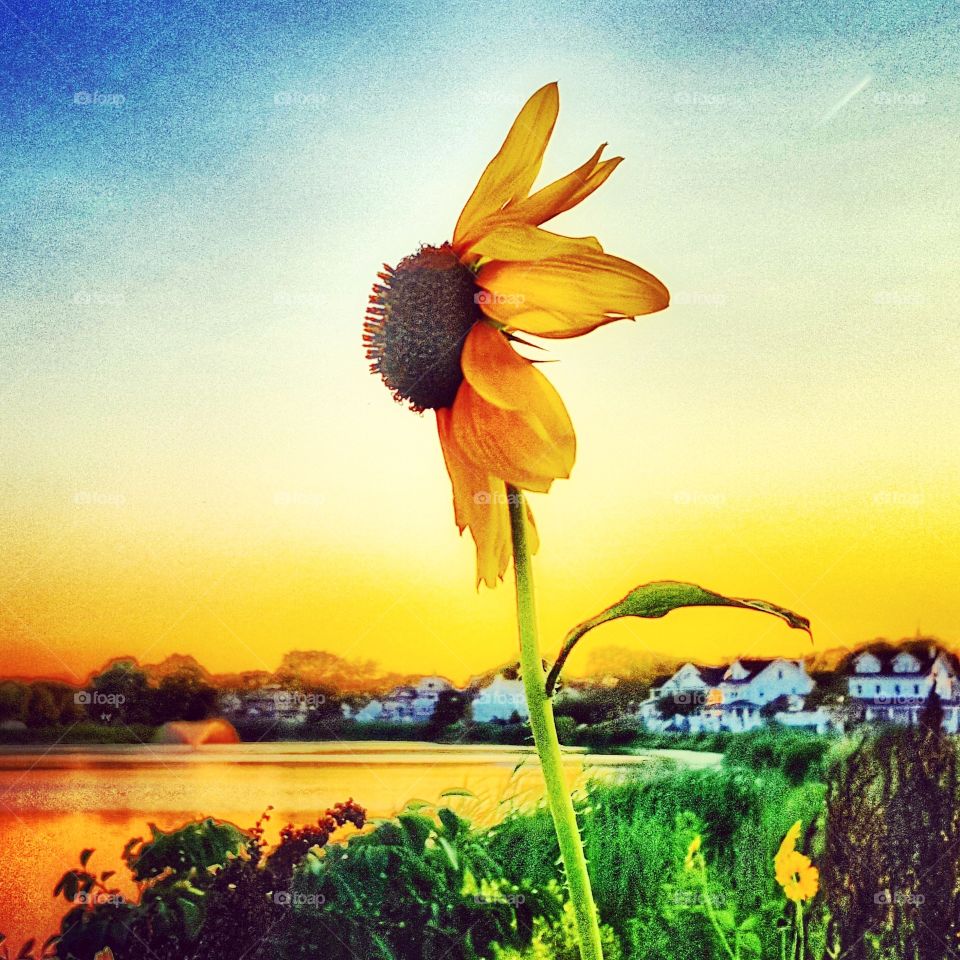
column 636, row 834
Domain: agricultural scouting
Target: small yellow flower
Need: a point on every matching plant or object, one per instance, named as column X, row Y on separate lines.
column 692, row 851
column 794, row 871
column 441, row 326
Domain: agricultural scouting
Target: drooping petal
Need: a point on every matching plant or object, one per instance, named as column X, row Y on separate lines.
column 510, row 174
column 507, row 443
column 521, row 241
column 508, row 417
column 567, row 296
column 503, row 378
column 479, row 503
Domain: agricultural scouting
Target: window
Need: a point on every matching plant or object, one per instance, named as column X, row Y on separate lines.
column 878, row 688
column 916, row 688
column 780, row 674
column 896, row 688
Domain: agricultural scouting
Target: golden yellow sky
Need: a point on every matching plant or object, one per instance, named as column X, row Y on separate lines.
column 194, row 459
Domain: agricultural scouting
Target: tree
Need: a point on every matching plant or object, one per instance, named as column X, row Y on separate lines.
column 13, row 700
column 890, row 868
column 450, row 709
column 184, row 695
column 125, row 693
column 778, row 705
column 42, row 709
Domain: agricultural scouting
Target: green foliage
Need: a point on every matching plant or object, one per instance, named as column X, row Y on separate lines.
column 892, row 828
column 798, row 755
column 423, row 885
column 634, row 834
column 187, row 851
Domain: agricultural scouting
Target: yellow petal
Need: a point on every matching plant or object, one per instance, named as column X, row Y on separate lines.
column 504, row 379
column 564, row 193
column 567, row 296
column 479, row 503
column 510, row 174
column 549, row 201
column 521, row 241
column 508, row 443
column 507, row 416
column 552, row 325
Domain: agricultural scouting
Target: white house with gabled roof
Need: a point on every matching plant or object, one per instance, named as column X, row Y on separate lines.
column 892, row 683
column 728, row 697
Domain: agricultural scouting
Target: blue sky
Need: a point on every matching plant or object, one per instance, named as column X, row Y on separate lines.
column 199, row 195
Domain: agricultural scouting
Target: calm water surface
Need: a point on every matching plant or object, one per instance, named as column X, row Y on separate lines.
column 54, row 802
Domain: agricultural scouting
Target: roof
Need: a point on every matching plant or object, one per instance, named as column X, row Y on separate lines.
column 712, row 675
column 753, row 667
column 924, row 651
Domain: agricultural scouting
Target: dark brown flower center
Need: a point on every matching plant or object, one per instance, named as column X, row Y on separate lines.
column 416, row 323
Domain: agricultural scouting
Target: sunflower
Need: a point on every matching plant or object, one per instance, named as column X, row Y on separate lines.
column 441, row 325
column 692, row 850
column 794, row 871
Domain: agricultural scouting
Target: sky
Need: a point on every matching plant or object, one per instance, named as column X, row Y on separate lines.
column 194, row 458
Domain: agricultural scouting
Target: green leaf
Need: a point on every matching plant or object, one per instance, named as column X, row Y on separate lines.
column 194, row 846
column 726, row 919
column 654, row 600
column 450, row 820
column 459, row 792
column 417, row 828
column 449, row 849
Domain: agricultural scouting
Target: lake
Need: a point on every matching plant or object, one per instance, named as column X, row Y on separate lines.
column 55, row 801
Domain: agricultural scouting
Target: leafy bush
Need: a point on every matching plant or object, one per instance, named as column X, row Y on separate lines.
column 890, row 868
column 798, row 755
column 421, row 886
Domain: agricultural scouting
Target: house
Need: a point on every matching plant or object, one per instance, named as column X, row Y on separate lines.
column 892, row 683
column 270, row 702
column 686, row 693
column 748, row 685
column 699, row 698
column 406, row 704
column 500, row 701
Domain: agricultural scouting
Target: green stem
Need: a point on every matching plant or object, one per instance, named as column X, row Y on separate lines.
column 800, row 930
column 712, row 917
column 545, row 738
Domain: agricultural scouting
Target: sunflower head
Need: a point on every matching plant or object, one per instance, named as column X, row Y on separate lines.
column 799, row 878
column 794, row 871
column 419, row 315
column 440, row 327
